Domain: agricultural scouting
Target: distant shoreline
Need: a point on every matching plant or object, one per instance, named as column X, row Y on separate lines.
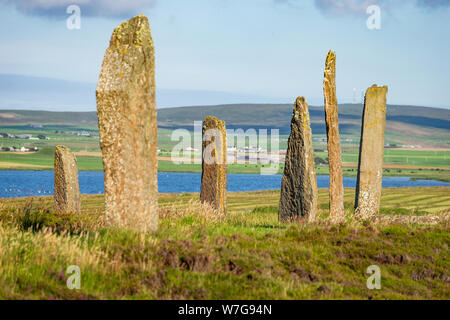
column 412, row 177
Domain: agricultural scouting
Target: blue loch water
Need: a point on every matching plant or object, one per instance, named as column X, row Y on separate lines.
column 40, row 183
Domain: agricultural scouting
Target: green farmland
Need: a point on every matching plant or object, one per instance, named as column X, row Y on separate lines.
column 435, row 159
column 415, row 163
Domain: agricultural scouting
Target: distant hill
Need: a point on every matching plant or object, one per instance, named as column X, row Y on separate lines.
column 405, row 124
column 408, row 124
column 22, row 117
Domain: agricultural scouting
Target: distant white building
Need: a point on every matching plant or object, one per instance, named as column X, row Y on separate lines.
column 24, row 136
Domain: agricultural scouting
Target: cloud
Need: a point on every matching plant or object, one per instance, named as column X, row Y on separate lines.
column 57, row 8
column 359, row 7
column 434, row 3
column 342, row 7
column 127, row 8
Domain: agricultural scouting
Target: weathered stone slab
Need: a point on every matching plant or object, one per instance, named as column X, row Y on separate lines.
column 214, row 164
column 370, row 166
column 126, row 110
column 67, row 190
column 299, row 186
column 336, row 189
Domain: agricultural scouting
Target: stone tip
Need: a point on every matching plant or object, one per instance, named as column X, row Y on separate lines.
column 135, row 31
column 62, row 148
column 330, row 65
column 219, row 123
column 300, row 101
column 211, row 118
column 377, row 88
column 331, row 55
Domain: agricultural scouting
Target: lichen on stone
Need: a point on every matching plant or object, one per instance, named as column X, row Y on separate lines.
column 298, row 199
column 126, row 108
column 135, row 31
column 336, row 189
column 214, row 175
column 369, row 178
column 67, row 197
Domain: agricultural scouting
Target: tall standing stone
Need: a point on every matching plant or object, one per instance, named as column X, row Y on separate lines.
column 299, row 195
column 126, row 110
column 370, row 166
column 336, row 189
column 67, row 190
column 214, row 164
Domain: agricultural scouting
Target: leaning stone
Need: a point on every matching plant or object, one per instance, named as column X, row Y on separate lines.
column 298, row 199
column 370, row 166
column 336, row 189
column 126, row 110
column 214, row 165
column 67, row 190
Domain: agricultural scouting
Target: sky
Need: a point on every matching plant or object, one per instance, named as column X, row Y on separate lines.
column 239, row 51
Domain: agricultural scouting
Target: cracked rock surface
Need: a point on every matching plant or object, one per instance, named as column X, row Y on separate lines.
column 298, row 185
column 67, row 190
column 371, row 149
column 214, row 164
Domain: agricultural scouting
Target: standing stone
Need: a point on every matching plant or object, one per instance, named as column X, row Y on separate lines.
column 214, row 164
column 67, row 190
column 334, row 145
column 370, row 166
column 298, row 185
column 126, row 110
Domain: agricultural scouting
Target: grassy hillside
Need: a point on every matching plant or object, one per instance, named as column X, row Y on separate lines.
column 427, row 127
column 279, row 115
column 405, row 124
column 245, row 255
column 24, row 117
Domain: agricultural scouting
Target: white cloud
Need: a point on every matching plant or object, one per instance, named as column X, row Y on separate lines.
column 341, row 7
column 55, row 8
column 358, row 7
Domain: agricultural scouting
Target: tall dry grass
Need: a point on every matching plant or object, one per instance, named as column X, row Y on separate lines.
column 204, row 212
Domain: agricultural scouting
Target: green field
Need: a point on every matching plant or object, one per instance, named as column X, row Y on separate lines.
column 436, row 159
column 43, row 160
column 405, row 125
column 415, row 163
column 246, row 255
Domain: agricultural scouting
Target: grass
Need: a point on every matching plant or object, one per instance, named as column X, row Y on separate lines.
column 417, row 164
column 418, row 158
column 245, row 255
column 43, row 160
